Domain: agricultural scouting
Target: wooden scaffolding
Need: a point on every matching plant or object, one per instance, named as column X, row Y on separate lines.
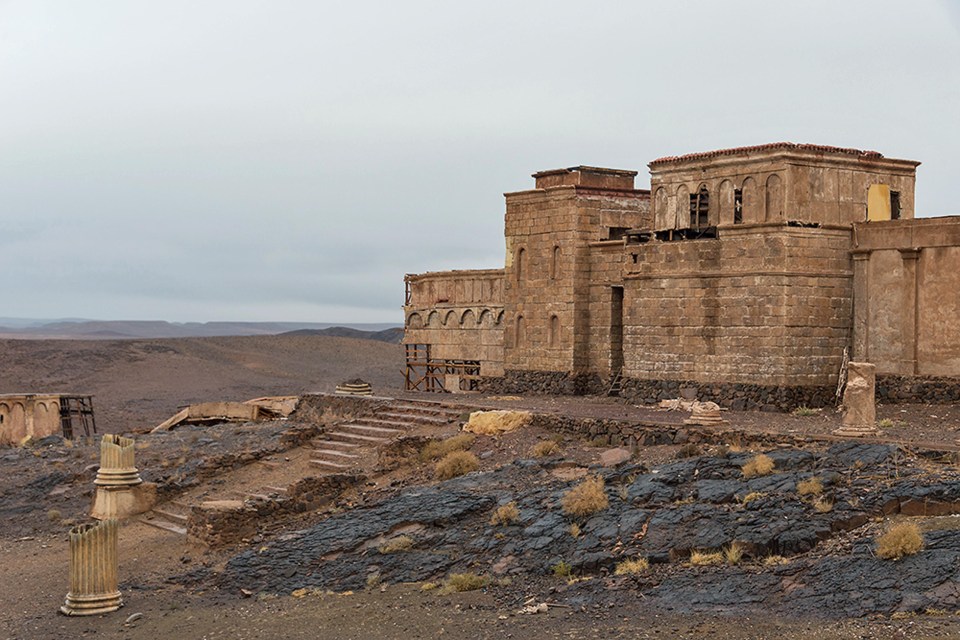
column 423, row 373
column 76, row 412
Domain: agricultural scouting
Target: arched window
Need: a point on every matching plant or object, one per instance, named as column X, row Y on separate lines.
column 521, row 256
column 774, row 199
column 554, row 335
column 700, row 208
column 521, row 336
column 555, row 263
column 750, row 208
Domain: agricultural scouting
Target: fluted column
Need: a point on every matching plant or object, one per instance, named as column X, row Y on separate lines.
column 117, row 467
column 93, row 570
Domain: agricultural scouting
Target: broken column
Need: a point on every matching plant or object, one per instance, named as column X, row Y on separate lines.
column 120, row 490
column 93, row 570
column 859, row 405
column 705, row 414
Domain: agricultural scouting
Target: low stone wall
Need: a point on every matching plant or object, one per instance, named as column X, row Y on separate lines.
column 318, row 407
column 559, row 383
column 739, row 397
column 222, row 523
column 919, row 389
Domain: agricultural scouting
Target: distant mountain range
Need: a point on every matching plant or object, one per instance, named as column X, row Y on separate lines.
column 145, row 329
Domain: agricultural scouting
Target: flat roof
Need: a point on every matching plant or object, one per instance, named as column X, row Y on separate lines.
column 772, row 146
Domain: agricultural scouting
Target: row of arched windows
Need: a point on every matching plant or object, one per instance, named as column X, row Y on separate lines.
column 733, row 204
column 553, row 332
column 467, row 319
column 520, row 264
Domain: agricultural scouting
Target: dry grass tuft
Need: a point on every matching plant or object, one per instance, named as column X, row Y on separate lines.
column 759, row 465
column 455, row 463
column 575, row 530
column 545, row 448
column 774, row 561
column 505, row 514
column 460, row 582
column 586, row 498
column 439, row 448
column 810, row 487
column 492, row 423
column 398, row 544
column 899, row 540
column 753, row 495
column 689, row 450
column 562, row 569
column 705, row 558
column 805, row 411
column 54, row 515
column 631, row 567
column 823, row 504
column 733, row 553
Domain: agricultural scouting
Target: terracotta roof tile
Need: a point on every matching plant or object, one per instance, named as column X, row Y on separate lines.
column 817, row 148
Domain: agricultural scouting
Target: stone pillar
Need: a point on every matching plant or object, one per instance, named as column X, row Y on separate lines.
column 120, row 490
column 93, row 570
column 861, row 306
column 859, row 407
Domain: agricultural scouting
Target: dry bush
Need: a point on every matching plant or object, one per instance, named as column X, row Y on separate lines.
column 689, row 450
column 401, row 543
column 733, row 553
column 545, row 448
column 899, row 540
column 810, row 487
column 54, row 515
column 562, row 569
column 774, row 561
column 492, row 423
column 823, row 504
column 439, row 448
column 805, row 411
column 459, row 582
column 753, row 495
column 759, row 465
column 455, row 463
column 505, row 514
column 631, row 567
column 705, row 558
column 428, row 586
column 586, row 498
column 575, row 530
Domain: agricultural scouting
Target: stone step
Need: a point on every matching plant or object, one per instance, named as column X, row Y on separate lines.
column 348, row 436
column 406, row 423
column 326, row 443
column 408, row 418
column 176, row 518
column 335, row 455
column 369, row 430
column 166, row 525
column 429, row 409
column 330, row 466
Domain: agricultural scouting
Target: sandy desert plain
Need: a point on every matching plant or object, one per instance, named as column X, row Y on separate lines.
column 381, row 549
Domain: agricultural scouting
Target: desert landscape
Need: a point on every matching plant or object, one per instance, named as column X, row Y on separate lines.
column 284, row 528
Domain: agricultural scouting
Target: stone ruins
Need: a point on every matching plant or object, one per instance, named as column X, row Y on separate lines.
column 739, row 276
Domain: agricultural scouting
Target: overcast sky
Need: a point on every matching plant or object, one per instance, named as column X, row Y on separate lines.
column 241, row 160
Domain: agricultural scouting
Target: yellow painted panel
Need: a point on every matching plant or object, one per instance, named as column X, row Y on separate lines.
column 878, row 202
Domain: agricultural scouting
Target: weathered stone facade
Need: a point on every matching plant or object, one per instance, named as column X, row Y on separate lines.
column 744, row 272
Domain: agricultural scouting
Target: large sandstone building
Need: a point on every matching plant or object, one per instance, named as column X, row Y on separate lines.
column 746, row 275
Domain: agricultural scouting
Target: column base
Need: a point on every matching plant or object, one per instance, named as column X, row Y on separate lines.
column 91, row 605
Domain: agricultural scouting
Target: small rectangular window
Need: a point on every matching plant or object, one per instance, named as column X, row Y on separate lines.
column 737, row 206
column 894, row 205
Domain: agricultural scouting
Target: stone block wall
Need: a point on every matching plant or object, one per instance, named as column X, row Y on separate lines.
column 770, row 306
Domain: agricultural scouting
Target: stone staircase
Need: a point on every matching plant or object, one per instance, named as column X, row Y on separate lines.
column 340, row 450
column 171, row 516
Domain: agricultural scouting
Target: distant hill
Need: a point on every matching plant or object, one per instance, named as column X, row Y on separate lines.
column 152, row 329
column 393, row 335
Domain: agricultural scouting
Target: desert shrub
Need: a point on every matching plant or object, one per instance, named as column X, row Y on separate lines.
column 455, row 463
column 810, row 487
column 439, row 448
column 54, row 515
column 631, row 567
column 759, row 465
column 753, row 495
column 733, row 553
column 805, row 411
column 459, row 582
column 888, row 423
column 899, row 540
column 689, row 450
column 505, row 514
column 428, row 586
column 562, row 569
column 586, row 498
column 400, row 543
column 575, row 530
column 373, row 580
column 545, row 448
column 823, row 504
column 774, row 561
column 705, row 558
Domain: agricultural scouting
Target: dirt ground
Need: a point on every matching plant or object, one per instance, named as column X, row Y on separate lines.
column 139, row 383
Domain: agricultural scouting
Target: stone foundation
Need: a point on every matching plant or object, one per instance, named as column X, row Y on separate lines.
column 739, row 397
column 917, row 389
column 559, row 383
